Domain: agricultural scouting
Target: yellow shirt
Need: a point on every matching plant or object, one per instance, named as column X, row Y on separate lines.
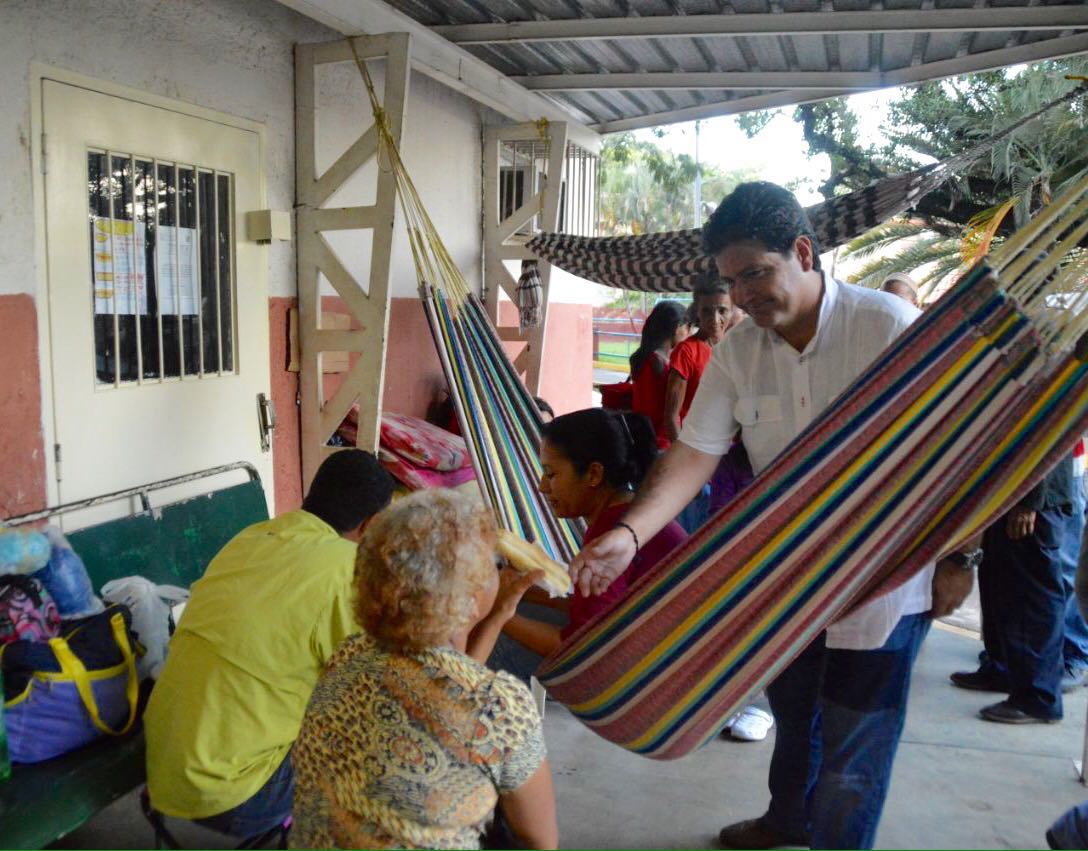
column 262, row 622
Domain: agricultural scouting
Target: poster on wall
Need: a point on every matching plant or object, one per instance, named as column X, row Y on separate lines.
column 178, row 266
column 119, row 266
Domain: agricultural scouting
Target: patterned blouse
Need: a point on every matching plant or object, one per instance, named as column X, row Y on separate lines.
column 409, row 751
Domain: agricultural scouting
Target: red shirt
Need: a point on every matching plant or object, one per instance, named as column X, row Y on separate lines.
column 582, row 609
column 688, row 360
column 648, row 396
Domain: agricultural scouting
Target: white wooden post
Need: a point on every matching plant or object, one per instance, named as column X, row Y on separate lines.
column 364, row 382
column 498, row 233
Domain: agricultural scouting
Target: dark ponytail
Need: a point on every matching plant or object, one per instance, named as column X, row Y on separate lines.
column 624, row 443
column 659, row 328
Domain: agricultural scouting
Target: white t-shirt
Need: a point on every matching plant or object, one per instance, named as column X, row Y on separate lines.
column 757, row 381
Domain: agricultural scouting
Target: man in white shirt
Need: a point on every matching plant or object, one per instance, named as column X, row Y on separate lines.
column 840, row 706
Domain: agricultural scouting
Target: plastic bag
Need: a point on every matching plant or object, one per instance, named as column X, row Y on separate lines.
column 150, row 607
column 65, row 578
column 23, row 550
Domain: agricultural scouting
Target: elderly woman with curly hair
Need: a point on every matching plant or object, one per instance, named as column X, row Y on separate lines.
column 409, row 741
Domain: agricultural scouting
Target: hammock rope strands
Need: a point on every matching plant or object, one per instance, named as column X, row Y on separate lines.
column 674, row 261
column 956, row 420
column 498, row 417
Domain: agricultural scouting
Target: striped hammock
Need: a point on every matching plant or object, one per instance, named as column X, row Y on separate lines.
column 498, row 417
column 674, row 261
column 956, row 420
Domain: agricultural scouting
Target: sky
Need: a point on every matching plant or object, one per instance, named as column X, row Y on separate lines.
column 777, row 153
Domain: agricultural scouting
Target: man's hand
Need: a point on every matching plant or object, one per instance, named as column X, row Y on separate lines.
column 602, row 561
column 1020, row 523
column 951, row 585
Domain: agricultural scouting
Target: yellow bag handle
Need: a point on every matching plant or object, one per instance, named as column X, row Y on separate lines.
column 72, row 667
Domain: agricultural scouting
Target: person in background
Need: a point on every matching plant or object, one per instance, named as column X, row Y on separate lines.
column 593, row 462
column 902, row 285
column 258, row 630
column 1024, row 606
column 409, row 741
column 714, row 314
column 664, row 329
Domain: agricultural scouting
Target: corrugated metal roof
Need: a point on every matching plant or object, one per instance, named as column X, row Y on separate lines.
column 626, row 63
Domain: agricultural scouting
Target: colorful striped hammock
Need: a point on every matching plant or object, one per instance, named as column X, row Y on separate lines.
column 674, row 261
column 960, row 416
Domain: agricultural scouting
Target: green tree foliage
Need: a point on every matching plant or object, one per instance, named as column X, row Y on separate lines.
column 646, row 189
column 996, row 194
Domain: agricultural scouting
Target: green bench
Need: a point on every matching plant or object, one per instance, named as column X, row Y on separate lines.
column 170, row 545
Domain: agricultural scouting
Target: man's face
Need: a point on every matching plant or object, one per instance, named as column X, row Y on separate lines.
column 714, row 314
column 765, row 284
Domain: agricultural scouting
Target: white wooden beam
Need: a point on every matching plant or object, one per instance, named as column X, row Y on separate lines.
column 769, row 100
column 783, row 23
column 691, row 81
column 736, row 106
column 450, row 65
column 799, row 80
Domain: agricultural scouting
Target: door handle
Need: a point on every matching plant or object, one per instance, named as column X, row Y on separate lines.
column 266, row 420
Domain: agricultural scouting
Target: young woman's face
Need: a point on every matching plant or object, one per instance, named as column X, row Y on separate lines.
column 569, row 493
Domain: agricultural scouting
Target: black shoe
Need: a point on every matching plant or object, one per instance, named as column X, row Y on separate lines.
column 756, row 833
column 980, row 680
column 1005, row 713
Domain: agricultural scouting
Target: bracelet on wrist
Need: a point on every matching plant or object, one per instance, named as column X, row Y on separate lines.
column 634, row 534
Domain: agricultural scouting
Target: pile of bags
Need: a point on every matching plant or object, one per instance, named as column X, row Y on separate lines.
column 72, row 662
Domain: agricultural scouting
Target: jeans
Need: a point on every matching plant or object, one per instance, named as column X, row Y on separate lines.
column 1075, row 641
column 1024, row 601
column 839, row 714
column 267, row 809
column 1071, row 828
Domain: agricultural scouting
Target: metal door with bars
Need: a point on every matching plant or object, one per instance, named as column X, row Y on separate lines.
column 158, row 306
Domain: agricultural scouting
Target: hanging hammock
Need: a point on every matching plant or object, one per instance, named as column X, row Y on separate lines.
column 956, row 420
column 940, row 436
column 674, row 262
column 498, row 417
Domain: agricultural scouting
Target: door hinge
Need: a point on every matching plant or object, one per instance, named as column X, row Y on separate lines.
column 56, row 459
column 45, row 168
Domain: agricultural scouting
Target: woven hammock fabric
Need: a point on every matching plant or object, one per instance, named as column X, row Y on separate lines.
column 674, row 261
column 498, row 417
column 952, row 423
column 961, row 415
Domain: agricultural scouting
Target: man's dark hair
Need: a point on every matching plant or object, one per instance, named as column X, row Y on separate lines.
column 763, row 212
column 350, row 486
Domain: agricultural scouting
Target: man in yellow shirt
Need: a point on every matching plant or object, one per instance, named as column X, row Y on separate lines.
column 261, row 623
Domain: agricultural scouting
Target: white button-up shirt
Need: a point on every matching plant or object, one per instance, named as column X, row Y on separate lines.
column 757, row 382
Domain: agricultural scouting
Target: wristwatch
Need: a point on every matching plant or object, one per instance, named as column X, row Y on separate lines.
column 968, row 560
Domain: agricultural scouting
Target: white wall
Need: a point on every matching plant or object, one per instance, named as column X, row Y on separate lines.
column 234, row 56
column 440, row 147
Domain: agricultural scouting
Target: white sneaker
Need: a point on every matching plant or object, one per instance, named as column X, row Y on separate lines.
column 751, row 725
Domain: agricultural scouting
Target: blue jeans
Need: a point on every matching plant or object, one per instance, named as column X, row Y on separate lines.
column 839, row 715
column 1024, row 605
column 1071, row 828
column 267, row 809
column 1075, row 642
column 696, row 512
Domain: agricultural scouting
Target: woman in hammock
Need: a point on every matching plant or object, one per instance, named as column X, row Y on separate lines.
column 593, row 461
